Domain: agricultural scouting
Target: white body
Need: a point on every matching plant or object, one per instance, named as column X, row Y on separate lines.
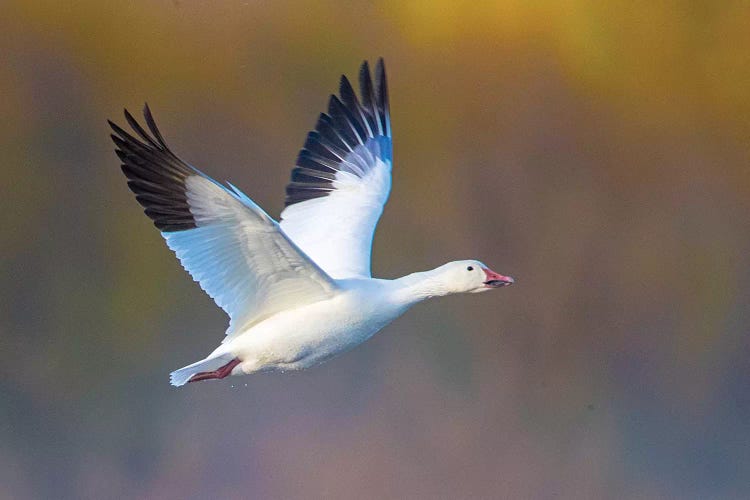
column 308, row 335
column 301, row 337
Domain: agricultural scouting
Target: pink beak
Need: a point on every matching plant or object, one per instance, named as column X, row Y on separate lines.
column 495, row 280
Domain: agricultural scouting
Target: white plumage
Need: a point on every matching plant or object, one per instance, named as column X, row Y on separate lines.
column 300, row 291
column 336, row 231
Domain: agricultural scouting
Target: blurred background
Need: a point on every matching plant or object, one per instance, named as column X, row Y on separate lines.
column 596, row 151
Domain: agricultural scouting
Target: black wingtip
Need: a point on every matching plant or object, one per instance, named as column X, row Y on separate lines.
column 380, row 70
column 381, row 91
column 351, row 121
column 364, row 67
column 151, row 123
column 154, row 173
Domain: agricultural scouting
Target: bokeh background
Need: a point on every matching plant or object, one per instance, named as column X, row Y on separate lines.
column 598, row 151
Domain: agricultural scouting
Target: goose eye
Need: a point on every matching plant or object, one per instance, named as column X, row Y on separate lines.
column 470, row 268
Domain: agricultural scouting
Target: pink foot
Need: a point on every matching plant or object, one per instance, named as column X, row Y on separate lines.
column 219, row 373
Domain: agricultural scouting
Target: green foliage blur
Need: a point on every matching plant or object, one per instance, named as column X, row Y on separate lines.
column 599, row 152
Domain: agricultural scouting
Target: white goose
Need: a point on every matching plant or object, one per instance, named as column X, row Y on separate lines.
column 299, row 292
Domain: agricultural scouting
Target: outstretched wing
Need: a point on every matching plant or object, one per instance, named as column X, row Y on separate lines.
column 227, row 243
column 342, row 179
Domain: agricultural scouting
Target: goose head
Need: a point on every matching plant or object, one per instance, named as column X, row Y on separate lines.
column 471, row 276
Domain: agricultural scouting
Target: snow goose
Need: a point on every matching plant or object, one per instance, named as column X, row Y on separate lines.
column 300, row 291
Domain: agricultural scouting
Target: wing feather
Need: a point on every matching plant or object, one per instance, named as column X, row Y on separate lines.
column 342, row 178
column 229, row 245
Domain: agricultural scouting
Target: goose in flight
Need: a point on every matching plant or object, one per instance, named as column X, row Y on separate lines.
column 298, row 291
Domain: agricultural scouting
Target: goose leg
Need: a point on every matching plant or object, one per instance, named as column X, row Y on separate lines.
column 216, row 374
